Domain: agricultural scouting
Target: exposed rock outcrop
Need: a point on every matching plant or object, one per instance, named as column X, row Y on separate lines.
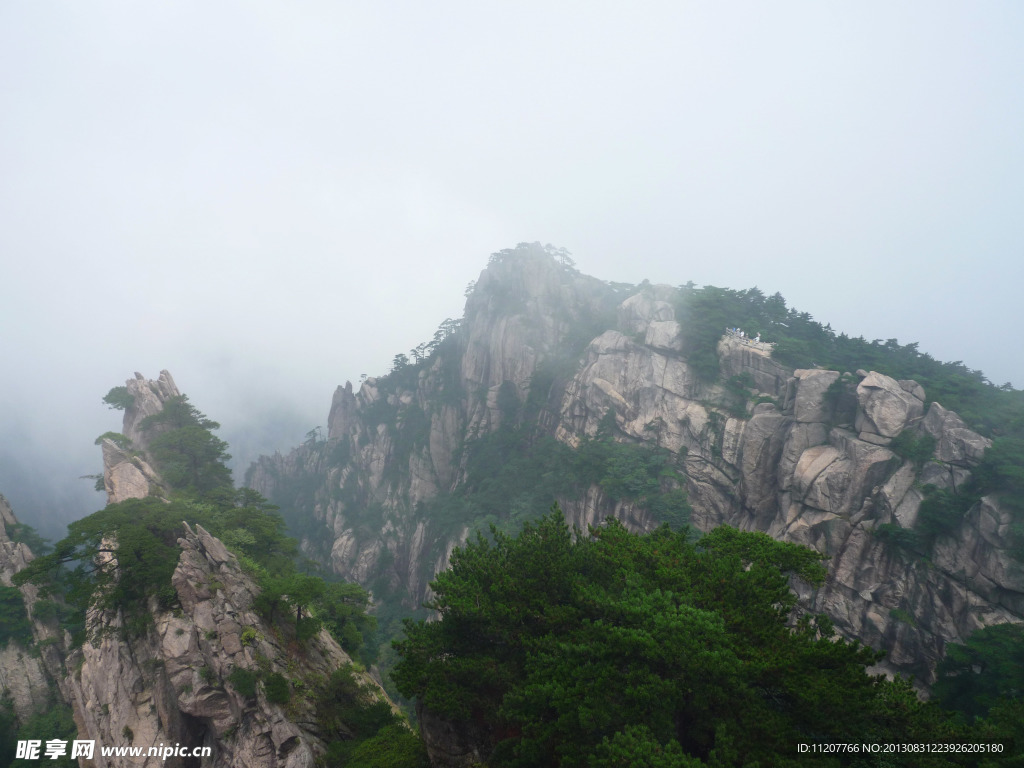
column 127, row 475
column 886, row 408
column 23, row 675
column 809, row 463
column 171, row 685
column 14, row 555
column 148, row 399
column 126, row 472
column 738, row 357
column 168, row 681
column 524, row 313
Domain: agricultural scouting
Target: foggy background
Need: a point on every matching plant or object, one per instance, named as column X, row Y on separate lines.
column 269, row 199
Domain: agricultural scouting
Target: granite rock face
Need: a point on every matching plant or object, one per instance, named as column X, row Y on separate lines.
column 13, row 555
column 886, row 408
column 23, row 675
column 524, row 312
column 171, row 685
column 807, row 459
column 148, row 398
column 127, row 475
column 127, row 471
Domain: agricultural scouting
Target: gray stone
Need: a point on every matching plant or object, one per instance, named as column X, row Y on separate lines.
column 955, row 443
column 809, row 402
column 886, row 409
column 911, row 386
column 664, row 334
column 737, row 358
column 783, row 471
column 149, row 398
column 637, row 312
column 127, row 476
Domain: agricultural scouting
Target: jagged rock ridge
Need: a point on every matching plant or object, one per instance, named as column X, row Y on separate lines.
column 171, row 684
column 23, row 676
column 794, row 466
column 126, row 472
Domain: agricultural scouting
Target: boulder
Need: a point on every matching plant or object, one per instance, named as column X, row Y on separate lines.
column 954, row 442
column 801, row 437
column 911, row 386
column 886, row 408
column 737, row 358
column 127, row 475
column 640, row 310
column 809, row 403
column 664, row 334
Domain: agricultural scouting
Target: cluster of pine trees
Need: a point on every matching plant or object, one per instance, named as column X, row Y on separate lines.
column 620, row 649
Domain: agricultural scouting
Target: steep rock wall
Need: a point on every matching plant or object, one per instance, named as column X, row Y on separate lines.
column 525, row 313
column 23, row 674
column 171, row 685
column 804, row 464
column 127, row 474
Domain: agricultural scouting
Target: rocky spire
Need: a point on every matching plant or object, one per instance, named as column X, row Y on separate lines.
column 126, row 472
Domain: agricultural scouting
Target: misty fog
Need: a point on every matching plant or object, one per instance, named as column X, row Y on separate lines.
column 270, row 200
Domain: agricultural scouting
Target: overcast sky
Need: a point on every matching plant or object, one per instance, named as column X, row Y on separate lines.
column 269, row 199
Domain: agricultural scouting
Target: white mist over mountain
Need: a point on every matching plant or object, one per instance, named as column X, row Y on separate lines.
column 270, row 200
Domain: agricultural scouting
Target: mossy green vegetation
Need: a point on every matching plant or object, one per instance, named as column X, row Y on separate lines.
column 512, row 473
column 941, row 514
column 21, row 533
column 116, row 438
column 190, row 457
column 367, row 732
column 54, row 721
column 125, row 554
column 87, row 568
column 119, row 398
column 14, row 621
column 619, row 649
column 985, row 673
column 1001, row 473
column 337, row 606
column 914, row 448
column 276, row 688
column 244, row 681
column 802, row 342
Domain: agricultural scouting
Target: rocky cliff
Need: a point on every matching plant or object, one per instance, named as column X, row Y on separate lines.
column 171, row 686
column 803, row 454
column 127, row 471
column 200, row 674
column 398, row 441
column 24, row 679
column 790, row 470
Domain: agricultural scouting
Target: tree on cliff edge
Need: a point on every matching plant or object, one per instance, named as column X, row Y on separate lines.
column 620, row 649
